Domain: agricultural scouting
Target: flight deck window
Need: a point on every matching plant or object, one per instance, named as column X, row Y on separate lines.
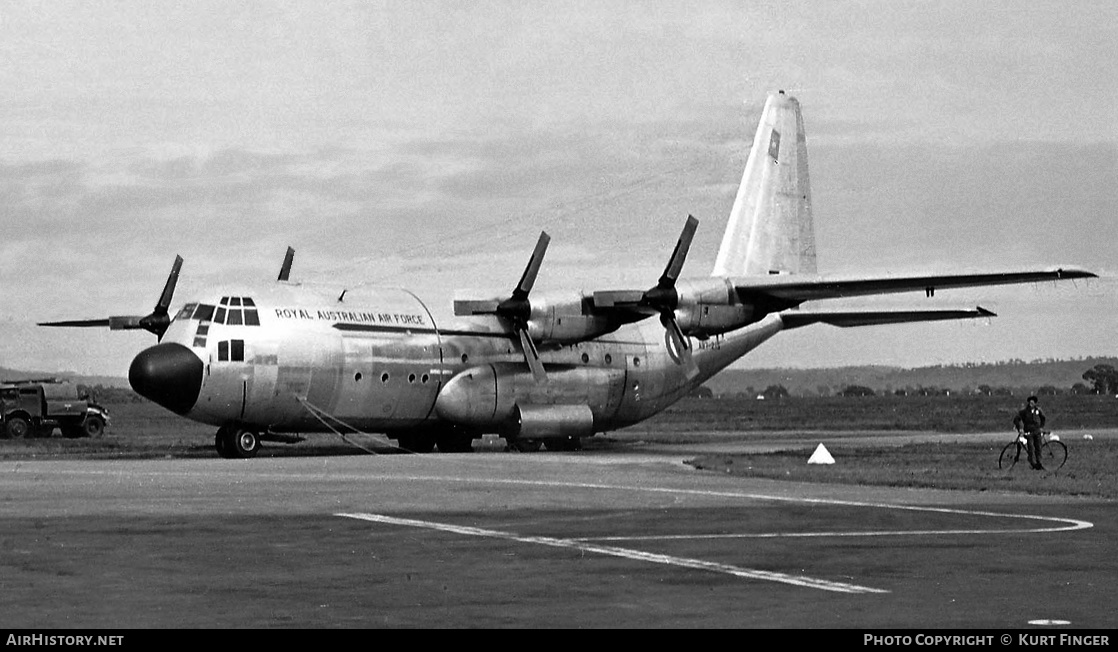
column 204, row 313
column 186, row 311
column 237, row 311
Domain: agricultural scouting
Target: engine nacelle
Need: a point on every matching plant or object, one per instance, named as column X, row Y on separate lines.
column 710, row 307
column 563, row 319
column 550, row 421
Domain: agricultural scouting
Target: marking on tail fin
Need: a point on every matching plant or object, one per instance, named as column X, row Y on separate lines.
column 774, row 145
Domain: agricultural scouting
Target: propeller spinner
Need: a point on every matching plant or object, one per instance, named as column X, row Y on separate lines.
column 517, row 309
column 155, row 322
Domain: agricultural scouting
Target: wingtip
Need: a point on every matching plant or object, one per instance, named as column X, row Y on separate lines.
column 1069, row 272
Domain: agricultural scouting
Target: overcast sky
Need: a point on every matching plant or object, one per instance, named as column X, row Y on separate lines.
column 426, row 144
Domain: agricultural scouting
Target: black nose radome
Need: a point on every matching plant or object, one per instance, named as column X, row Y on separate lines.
column 169, row 374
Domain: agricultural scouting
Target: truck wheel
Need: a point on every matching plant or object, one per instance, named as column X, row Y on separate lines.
column 94, row 426
column 17, row 428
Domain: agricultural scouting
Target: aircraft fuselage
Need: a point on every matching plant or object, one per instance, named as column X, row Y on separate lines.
column 286, row 359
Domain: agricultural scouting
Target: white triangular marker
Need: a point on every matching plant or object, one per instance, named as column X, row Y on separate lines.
column 821, row 456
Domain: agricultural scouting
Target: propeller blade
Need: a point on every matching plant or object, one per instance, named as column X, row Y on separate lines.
column 681, row 344
column 285, row 269
column 126, row 322
column 158, row 321
column 675, row 263
column 528, row 279
column 531, row 355
column 76, row 323
column 169, row 288
column 470, row 307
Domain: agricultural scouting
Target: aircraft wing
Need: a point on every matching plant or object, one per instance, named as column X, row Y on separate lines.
column 847, row 318
column 796, row 288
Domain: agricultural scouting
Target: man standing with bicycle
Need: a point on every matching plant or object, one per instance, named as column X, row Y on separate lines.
column 1031, row 420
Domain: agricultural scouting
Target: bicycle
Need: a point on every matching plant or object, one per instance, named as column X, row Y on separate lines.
column 1053, row 452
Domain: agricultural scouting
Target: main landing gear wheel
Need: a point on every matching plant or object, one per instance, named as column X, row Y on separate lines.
column 419, row 442
column 563, row 444
column 525, row 445
column 455, row 442
column 236, row 443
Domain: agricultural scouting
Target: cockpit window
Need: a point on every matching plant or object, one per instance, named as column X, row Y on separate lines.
column 204, row 312
column 237, row 311
column 186, row 311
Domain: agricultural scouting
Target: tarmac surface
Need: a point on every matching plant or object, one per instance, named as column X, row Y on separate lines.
column 603, row 538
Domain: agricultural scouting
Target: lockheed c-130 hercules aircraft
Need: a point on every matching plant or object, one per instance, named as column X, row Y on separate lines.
column 273, row 362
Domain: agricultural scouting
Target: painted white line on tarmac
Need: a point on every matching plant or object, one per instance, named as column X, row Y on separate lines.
column 1065, row 524
column 655, row 558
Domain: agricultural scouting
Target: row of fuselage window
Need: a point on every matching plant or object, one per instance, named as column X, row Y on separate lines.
column 234, row 351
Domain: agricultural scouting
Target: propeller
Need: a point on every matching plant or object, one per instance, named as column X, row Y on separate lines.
column 285, row 269
column 517, row 309
column 155, row 322
column 662, row 298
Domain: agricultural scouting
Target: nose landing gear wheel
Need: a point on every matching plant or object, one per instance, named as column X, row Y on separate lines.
column 236, row 443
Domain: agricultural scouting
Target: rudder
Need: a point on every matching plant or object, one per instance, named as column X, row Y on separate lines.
column 770, row 230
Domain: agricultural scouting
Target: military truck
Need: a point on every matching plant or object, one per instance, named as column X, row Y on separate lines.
column 34, row 408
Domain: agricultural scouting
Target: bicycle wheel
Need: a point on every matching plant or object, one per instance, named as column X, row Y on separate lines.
column 1053, row 454
column 1010, row 454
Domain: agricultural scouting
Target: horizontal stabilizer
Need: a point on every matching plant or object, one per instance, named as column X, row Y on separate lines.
column 845, row 319
column 798, row 288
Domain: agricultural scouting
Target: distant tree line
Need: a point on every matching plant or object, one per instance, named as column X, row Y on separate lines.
column 109, row 394
column 1103, row 379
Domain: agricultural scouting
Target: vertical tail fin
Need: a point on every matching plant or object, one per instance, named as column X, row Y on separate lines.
column 770, row 229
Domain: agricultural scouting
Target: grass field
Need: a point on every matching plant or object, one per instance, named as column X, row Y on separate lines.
column 144, row 430
column 1089, row 470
